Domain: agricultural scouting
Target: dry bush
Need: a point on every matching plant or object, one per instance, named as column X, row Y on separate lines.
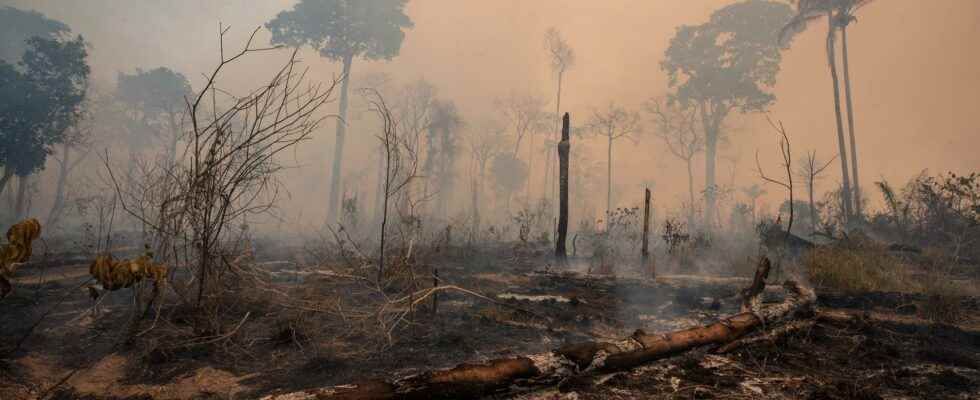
column 943, row 300
column 944, row 296
column 194, row 212
column 856, row 269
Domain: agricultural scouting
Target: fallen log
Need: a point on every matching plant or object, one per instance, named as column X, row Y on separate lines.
column 567, row 362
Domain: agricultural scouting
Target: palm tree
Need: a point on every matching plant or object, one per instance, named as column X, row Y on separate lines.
column 806, row 12
column 845, row 15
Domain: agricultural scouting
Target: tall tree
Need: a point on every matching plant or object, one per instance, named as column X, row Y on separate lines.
column 527, row 116
column 341, row 30
column 16, row 28
column 808, row 11
column 158, row 103
column 413, row 110
column 562, row 58
column 727, row 64
column 809, row 170
column 442, row 152
column 613, row 123
column 679, row 128
column 485, row 143
column 845, row 16
column 39, row 102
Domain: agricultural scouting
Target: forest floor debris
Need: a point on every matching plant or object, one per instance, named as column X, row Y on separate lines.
column 877, row 346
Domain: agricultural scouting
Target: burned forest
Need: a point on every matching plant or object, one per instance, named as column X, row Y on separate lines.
column 533, row 200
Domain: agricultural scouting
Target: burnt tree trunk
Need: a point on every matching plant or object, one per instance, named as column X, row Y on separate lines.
column 645, row 252
column 472, row 380
column 563, row 149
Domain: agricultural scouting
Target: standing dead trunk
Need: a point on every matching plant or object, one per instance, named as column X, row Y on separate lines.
column 814, row 222
column 645, row 251
column 564, row 147
column 338, row 150
column 690, row 191
column 850, row 124
column 609, row 175
column 842, row 149
column 530, row 168
column 548, row 184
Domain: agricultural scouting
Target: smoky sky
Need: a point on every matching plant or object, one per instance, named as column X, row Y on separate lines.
column 913, row 68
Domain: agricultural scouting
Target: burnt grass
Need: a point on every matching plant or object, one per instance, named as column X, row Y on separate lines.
column 884, row 350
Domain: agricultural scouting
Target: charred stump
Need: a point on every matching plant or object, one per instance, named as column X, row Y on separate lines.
column 645, row 251
column 563, row 149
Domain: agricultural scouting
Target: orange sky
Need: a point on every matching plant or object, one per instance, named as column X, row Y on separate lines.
column 912, row 65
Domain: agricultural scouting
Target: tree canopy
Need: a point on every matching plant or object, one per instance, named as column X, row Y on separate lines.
column 157, row 98
column 17, row 26
column 732, row 60
column 40, row 100
column 344, row 28
column 156, row 92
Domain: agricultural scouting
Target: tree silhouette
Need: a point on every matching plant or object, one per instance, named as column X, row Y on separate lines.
column 528, row 117
column 443, row 148
column 613, row 123
column 729, row 63
column 158, row 98
column 341, row 30
column 39, row 102
column 678, row 127
column 839, row 14
column 562, row 58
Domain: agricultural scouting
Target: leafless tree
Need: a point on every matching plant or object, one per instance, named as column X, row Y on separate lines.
column 527, row 116
column 413, row 109
column 787, row 164
column 401, row 164
column 809, row 170
column 485, row 142
column 613, row 123
column 231, row 166
column 678, row 126
column 562, row 58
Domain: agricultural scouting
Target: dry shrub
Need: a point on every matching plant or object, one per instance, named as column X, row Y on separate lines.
column 856, row 269
column 943, row 301
column 943, row 296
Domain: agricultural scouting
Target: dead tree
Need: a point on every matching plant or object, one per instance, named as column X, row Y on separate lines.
column 564, row 147
column 680, row 130
column 401, row 164
column 562, row 58
column 231, row 163
column 574, row 361
column 613, row 123
column 526, row 114
column 787, row 164
column 810, row 170
column 645, row 252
